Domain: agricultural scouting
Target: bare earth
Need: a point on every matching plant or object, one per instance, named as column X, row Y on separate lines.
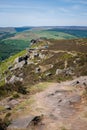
column 62, row 106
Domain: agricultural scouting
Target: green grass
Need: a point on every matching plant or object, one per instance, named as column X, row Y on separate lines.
column 38, row 87
column 10, row 47
column 54, row 35
column 4, row 65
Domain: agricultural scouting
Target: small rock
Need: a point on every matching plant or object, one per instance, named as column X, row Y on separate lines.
column 59, row 71
column 36, row 120
column 48, row 74
column 37, row 70
column 15, row 79
column 13, row 103
column 7, row 107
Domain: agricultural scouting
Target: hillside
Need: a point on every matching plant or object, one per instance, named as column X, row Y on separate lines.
column 43, row 84
column 14, row 40
column 13, row 43
column 54, row 52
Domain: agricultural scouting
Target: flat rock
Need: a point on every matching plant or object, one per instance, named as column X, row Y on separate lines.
column 75, row 99
column 21, row 123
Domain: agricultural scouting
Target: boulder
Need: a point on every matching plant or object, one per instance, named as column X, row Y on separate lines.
column 19, row 65
column 30, row 62
column 21, row 75
column 20, row 123
column 36, row 54
column 22, row 58
column 8, row 107
column 25, row 122
column 69, row 71
column 37, row 70
column 59, row 71
column 14, row 79
column 51, row 65
column 82, row 81
column 42, row 56
column 13, row 103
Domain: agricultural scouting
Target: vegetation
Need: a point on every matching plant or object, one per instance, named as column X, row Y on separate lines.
column 80, row 33
column 11, row 47
column 5, row 122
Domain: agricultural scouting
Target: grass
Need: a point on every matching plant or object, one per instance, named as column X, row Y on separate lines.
column 2, row 108
column 9, row 47
column 24, row 107
column 28, row 35
column 63, row 128
column 38, row 87
column 8, row 62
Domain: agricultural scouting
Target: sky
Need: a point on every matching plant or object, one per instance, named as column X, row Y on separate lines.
column 43, row 13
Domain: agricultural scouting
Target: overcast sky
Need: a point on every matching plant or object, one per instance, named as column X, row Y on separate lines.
column 43, row 12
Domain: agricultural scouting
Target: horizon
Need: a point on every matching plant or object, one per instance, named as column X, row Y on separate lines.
column 38, row 13
column 40, row 26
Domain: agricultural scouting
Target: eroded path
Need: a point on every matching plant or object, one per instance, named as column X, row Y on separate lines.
column 62, row 107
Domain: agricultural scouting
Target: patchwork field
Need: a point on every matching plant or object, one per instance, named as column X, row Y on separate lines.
column 13, row 42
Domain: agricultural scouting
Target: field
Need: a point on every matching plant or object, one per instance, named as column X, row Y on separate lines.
column 17, row 39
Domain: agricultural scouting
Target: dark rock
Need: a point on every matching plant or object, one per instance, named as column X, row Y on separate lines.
column 10, row 67
column 36, row 120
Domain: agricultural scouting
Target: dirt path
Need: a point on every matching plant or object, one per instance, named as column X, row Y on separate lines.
column 62, row 107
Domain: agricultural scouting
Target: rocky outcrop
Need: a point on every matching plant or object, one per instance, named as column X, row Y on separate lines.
column 22, row 58
column 13, row 79
column 66, row 71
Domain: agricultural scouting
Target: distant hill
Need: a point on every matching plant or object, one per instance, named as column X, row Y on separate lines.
column 13, row 29
column 15, row 39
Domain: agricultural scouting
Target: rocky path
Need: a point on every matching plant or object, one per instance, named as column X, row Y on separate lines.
column 61, row 106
